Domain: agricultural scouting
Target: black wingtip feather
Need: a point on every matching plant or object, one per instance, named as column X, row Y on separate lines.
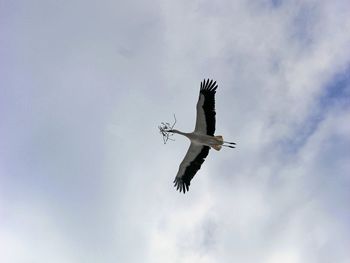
column 208, row 85
column 183, row 183
column 208, row 90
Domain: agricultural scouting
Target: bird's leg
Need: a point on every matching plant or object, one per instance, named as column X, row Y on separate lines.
column 228, row 146
column 229, row 142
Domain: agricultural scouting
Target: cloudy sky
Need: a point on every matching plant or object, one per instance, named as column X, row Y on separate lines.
column 85, row 176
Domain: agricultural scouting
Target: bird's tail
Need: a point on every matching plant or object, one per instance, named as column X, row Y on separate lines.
column 220, row 138
column 216, row 147
column 224, row 143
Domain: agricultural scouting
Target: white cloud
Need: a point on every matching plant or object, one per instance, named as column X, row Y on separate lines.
column 31, row 234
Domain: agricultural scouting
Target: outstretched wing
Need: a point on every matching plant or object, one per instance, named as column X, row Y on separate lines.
column 205, row 121
column 190, row 165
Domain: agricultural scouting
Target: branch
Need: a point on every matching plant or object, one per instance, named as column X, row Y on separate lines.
column 165, row 128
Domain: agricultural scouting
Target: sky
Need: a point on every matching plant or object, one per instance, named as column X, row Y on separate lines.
column 85, row 176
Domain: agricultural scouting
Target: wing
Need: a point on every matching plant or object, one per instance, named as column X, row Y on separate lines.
column 190, row 165
column 205, row 121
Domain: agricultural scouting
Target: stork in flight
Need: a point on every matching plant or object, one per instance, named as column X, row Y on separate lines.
column 202, row 138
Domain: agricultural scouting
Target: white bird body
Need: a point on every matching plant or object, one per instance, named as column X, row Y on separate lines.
column 202, row 138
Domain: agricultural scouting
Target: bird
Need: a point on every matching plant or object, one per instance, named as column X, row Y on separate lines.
column 202, row 138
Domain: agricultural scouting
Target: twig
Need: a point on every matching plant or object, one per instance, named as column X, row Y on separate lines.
column 165, row 129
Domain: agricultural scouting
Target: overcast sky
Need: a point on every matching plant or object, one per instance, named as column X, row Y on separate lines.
column 85, row 176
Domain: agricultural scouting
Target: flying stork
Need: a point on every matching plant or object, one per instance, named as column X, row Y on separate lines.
column 202, row 138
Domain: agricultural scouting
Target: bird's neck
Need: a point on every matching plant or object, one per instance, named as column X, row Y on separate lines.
column 180, row 132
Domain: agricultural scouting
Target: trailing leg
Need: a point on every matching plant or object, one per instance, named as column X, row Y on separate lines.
column 229, row 146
